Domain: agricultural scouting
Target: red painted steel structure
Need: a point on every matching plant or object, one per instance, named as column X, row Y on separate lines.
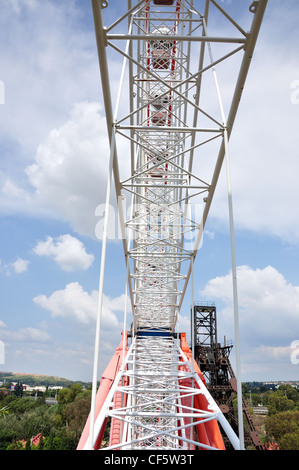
column 106, row 383
column 209, row 433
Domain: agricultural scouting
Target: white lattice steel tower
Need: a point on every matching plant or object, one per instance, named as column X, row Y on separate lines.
column 170, row 112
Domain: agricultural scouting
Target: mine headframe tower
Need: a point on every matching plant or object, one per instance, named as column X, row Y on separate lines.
column 213, row 360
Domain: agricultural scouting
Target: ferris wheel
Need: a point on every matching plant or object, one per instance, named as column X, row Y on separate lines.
column 171, row 116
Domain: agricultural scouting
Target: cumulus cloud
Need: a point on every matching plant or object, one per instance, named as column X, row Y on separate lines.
column 68, row 252
column 19, row 266
column 27, row 334
column 264, row 143
column 33, row 334
column 268, row 304
column 69, row 172
column 49, row 62
column 73, row 302
column 68, row 176
column 54, row 164
column 268, row 312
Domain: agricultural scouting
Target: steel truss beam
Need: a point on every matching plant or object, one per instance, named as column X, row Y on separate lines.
column 175, row 124
column 161, row 401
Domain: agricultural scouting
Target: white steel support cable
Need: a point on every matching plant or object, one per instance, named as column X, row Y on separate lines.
column 192, row 333
column 105, row 79
column 235, row 295
column 112, row 166
column 101, row 291
column 233, row 255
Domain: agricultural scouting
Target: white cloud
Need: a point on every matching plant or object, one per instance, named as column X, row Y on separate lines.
column 268, row 304
column 20, row 265
column 275, row 352
column 68, row 252
column 260, row 292
column 51, row 47
column 11, row 191
column 68, row 179
column 18, row 5
column 27, row 334
column 49, row 62
column 268, row 314
column 263, row 148
column 69, row 174
column 73, row 302
column 33, row 334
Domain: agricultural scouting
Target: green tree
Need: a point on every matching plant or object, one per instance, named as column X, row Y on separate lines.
column 48, row 445
column 60, row 442
column 284, row 429
column 61, row 425
column 18, row 445
column 278, row 402
column 10, row 431
column 18, row 389
column 65, row 397
column 68, row 395
column 289, row 441
column 290, row 392
column 40, row 445
column 28, row 444
column 4, row 411
column 76, row 414
column 265, row 396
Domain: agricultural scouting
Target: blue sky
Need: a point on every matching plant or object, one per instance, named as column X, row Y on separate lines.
column 53, row 167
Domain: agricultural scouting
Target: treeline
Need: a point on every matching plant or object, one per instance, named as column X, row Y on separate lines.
column 35, row 380
column 61, row 425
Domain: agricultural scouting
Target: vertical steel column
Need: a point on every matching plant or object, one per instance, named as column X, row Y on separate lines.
column 101, row 289
column 233, row 255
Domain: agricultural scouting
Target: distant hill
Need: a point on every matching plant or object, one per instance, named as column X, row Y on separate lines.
column 36, row 379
